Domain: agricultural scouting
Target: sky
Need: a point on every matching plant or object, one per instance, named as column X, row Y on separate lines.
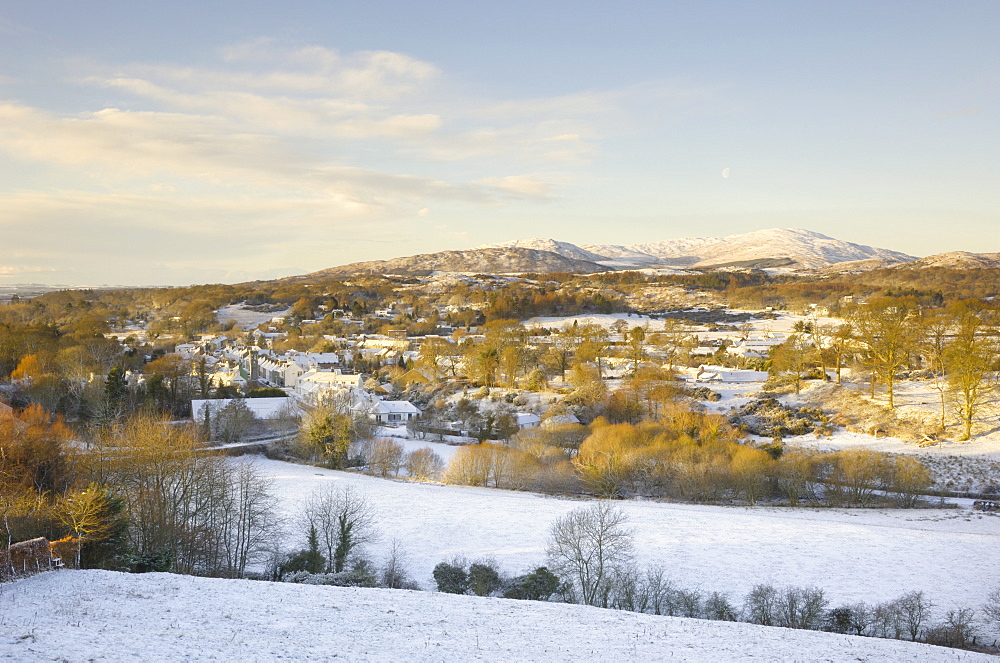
column 193, row 142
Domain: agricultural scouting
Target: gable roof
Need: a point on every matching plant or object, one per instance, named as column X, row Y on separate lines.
column 395, row 407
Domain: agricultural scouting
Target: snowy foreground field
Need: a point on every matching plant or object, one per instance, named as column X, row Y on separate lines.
column 100, row 615
column 853, row 554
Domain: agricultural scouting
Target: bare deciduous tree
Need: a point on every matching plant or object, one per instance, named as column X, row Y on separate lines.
column 344, row 521
column 968, row 360
column 587, row 546
column 888, row 331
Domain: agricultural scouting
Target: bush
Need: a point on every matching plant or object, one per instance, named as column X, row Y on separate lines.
column 992, row 606
column 718, row 608
column 484, row 578
column 423, row 464
column 801, row 607
column 538, row 585
column 451, row 578
column 839, row 620
column 761, row 605
column 385, row 456
column 957, row 630
column 487, row 464
column 393, row 574
column 857, row 474
column 359, row 576
column 159, row 561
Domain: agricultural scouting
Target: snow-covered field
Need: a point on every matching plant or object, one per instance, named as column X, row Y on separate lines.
column 100, row 615
column 853, row 554
column 246, row 318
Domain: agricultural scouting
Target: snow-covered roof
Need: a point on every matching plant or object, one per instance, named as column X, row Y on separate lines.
column 560, row 419
column 331, row 377
column 262, row 408
column 395, row 407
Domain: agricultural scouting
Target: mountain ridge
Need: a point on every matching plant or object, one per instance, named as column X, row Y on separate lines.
column 791, row 248
column 805, row 248
column 488, row 260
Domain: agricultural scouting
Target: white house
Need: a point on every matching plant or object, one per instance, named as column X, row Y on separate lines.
column 262, row 408
column 561, row 420
column 527, row 420
column 314, row 384
column 393, row 412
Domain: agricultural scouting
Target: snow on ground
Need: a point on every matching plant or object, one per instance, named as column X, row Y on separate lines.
column 601, row 319
column 853, row 554
column 246, row 318
column 915, row 400
column 444, row 449
column 100, row 615
column 781, row 322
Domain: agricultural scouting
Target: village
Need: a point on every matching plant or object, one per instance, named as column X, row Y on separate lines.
column 399, row 365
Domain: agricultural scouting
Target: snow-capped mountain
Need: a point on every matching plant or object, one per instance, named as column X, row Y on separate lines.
column 800, row 248
column 564, row 249
column 789, row 247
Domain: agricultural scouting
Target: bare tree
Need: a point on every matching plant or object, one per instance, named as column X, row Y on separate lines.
column 992, row 607
column 587, row 546
column 384, row 456
column 936, row 328
column 968, row 360
column 86, row 514
column 249, row 524
column 791, row 360
column 888, row 331
column 914, row 613
column 423, row 464
column 344, row 521
column 394, row 574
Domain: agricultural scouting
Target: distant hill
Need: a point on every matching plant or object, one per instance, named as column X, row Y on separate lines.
column 957, row 260
column 779, row 247
column 802, row 249
column 490, row 260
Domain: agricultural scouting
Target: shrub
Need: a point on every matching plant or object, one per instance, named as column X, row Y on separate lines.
column 393, row 574
column 451, row 578
column 424, row 464
column 957, row 630
column 538, row 585
column 688, row 602
column 718, row 608
column 858, row 473
column 914, row 611
column 761, row 605
column 838, row 620
column 907, row 478
column 385, row 456
column 800, row 607
column 484, row 578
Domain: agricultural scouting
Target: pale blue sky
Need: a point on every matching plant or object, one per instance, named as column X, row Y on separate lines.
column 196, row 142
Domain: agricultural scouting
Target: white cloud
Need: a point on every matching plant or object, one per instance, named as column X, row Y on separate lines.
column 519, row 185
column 270, row 149
column 18, row 270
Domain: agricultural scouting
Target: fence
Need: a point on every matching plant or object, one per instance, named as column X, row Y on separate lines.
column 27, row 558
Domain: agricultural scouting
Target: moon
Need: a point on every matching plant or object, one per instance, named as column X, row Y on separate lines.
column 725, row 173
